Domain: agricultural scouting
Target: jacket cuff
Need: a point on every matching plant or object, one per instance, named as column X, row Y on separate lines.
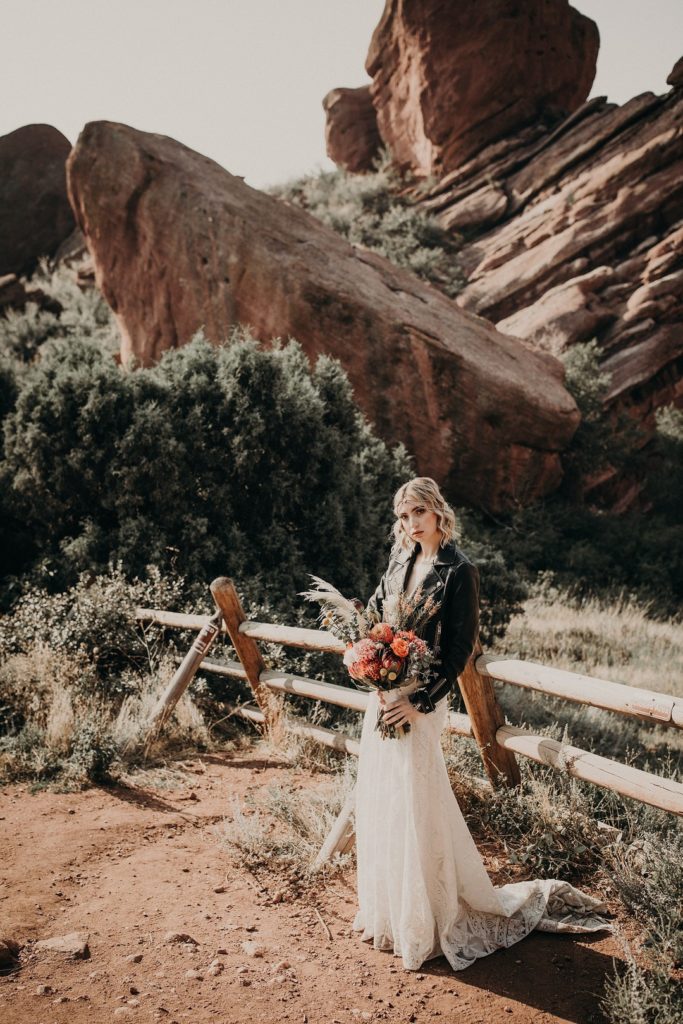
column 422, row 700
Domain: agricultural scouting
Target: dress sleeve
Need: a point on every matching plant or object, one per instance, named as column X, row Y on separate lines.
column 459, row 631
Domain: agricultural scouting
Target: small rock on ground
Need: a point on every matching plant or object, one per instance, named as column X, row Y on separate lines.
column 253, row 948
column 73, row 945
column 179, row 937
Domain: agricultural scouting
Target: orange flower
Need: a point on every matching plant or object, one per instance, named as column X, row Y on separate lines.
column 382, row 631
column 400, row 647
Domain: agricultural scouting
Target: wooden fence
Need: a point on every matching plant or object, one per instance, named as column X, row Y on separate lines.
column 498, row 741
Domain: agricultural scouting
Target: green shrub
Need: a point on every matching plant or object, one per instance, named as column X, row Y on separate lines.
column 94, row 620
column 235, row 459
column 588, row 550
column 79, row 312
column 372, row 210
column 593, row 446
column 502, row 588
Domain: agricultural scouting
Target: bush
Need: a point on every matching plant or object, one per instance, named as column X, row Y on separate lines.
column 637, row 996
column 370, row 210
column 502, row 588
column 78, row 312
column 58, row 721
column 593, row 447
column 648, row 875
column 590, row 550
column 80, row 677
column 234, row 460
column 94, row 621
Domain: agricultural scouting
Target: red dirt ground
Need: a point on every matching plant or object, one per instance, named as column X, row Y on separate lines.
column 129, row 864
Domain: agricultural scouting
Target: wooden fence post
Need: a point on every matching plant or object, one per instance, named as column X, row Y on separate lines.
column 486, row 716
column 183, row 677
column 230, row 607
column 342, row 835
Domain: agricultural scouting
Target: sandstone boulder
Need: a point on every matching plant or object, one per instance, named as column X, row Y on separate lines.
column 351, row 134
column 574, row 228
column 450, row 78
column 587, row 244
column 591, row 246
column 34, row 208
column 180, row 244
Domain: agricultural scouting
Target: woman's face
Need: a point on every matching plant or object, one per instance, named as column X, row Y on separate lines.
column 419, row 523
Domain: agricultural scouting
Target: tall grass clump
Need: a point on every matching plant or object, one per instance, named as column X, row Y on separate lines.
column 373, row 210
column 617, row 641
column 79, row 678
column 282, row 829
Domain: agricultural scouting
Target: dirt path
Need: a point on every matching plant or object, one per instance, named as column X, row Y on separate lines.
column 129, row 865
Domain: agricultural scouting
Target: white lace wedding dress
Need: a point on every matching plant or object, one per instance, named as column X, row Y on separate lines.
column 423, row 890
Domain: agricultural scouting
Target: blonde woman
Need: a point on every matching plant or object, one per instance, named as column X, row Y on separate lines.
column 423, row 890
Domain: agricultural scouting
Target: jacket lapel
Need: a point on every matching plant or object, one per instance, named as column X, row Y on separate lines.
column 435, row 578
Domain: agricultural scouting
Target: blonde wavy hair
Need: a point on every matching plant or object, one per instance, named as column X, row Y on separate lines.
column 426, row 491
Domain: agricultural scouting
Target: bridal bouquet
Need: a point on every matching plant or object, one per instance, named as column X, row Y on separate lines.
column 380, row 653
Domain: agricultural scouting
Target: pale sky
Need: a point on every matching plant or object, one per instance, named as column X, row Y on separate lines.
column 242, row 81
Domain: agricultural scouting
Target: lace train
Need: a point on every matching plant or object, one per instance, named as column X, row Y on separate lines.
column 423, row 889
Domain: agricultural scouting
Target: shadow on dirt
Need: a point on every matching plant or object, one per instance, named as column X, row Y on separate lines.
column 556, row 974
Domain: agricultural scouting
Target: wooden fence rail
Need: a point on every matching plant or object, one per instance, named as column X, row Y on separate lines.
column 498, row 741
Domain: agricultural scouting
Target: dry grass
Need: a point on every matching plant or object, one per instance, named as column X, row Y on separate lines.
column 186, row 725
column 282, row 829
column 610, row 641
column 60, row 726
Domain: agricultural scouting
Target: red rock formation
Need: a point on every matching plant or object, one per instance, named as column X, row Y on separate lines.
column 574, row 229
column 351, row 134
column 179, row 243
column 577, row 233
column 449, row 78
column 34, row 209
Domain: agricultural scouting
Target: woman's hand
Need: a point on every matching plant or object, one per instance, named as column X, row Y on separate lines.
column 399, row 712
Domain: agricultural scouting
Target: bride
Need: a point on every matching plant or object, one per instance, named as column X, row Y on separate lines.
column 423, row 890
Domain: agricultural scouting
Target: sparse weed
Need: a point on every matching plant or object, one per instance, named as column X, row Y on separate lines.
column 641, row 996
column 284, row 831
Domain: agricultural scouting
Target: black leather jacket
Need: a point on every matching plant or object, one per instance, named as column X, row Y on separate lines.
column 452, row 630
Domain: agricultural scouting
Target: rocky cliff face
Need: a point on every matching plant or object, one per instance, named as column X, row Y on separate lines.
column 572, row 224
column 578, row 234
column 180, row 244
column 448, row 79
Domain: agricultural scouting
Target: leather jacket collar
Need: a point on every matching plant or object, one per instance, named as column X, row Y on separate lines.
column 401, row 563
